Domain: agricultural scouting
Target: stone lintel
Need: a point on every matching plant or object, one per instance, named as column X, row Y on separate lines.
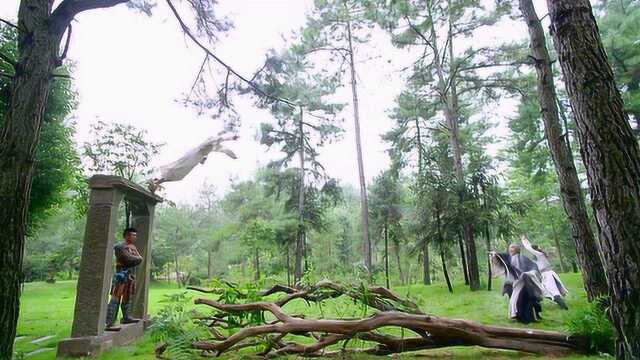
column 129, row 188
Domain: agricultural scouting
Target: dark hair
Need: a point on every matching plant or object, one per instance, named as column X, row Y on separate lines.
column 129, row 230
column 537, row 248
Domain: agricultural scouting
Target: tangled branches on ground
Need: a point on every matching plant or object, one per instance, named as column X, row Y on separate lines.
column 265, row 326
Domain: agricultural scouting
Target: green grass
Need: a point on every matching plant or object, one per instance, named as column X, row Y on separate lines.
column 47, row 309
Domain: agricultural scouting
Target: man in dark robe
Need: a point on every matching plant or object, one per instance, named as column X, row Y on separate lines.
column 123, row 286
column 522, row 283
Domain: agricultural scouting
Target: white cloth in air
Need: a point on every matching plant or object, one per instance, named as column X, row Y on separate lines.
column 180, row 168
column 553, row 286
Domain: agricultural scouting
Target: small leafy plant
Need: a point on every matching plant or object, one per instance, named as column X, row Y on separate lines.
column 174, row 327
column 593, row 323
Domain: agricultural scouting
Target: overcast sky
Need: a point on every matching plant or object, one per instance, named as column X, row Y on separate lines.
column 132, row 68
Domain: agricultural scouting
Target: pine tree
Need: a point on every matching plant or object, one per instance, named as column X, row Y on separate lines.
column 333, row 28
column 289, row 76
column 449, row 76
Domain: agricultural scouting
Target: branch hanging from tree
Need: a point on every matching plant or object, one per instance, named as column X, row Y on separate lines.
column 9, row 23
column 229, row 69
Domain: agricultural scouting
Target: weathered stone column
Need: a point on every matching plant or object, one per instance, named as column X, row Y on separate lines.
column 96, row 265
column 142, row 220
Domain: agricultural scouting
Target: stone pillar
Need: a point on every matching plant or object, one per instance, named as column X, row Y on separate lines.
column 142, row 220
column 96, row 265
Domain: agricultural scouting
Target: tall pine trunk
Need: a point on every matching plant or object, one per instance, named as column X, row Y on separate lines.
column 587, row 248
column 256, row 264
column 487, row 239
column 288, row 265
column 364, row 203
column 463, row 260
column 610, row 152
column 450, row 107
column 445, row 272
column 301, row 237
column 486, row 232
column 426, row 275
column 473, row 268
column 399, row 262
column 386, row 255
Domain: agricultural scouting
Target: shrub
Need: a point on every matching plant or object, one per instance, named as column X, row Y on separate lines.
column 593, row 323
column 173, row 327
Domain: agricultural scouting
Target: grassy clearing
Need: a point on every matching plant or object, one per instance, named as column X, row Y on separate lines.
column 47, row 310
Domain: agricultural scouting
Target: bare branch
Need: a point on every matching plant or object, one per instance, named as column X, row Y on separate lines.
column 420, row 34
column 199, row 75
column 9, row 23
column 204, row 48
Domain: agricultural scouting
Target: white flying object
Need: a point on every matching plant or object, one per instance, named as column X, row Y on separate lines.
column 180, row 168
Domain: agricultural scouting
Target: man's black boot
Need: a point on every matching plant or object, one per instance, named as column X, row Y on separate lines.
column 126, row 314
column 112, row 314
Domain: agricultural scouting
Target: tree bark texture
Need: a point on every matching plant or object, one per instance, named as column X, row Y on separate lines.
column 37, row 58
column 588, row 251
column 39, row 36
column 611, row 156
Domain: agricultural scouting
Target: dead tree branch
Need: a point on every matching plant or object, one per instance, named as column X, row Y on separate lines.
column 326, row 334
column 440, row 332
column 9, row 23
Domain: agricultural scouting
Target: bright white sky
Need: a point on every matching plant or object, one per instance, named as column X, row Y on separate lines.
column 132, row 68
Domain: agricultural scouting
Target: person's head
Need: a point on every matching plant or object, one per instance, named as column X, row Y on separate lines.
column 514, row 249
column 538, row 248
column 130, row 235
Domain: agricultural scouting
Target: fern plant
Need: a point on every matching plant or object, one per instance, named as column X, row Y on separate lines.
column 174, row 327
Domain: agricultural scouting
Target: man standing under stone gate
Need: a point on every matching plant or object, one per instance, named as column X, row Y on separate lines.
column 123, row 286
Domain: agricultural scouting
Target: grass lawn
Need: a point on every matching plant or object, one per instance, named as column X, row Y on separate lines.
column 47, row 311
